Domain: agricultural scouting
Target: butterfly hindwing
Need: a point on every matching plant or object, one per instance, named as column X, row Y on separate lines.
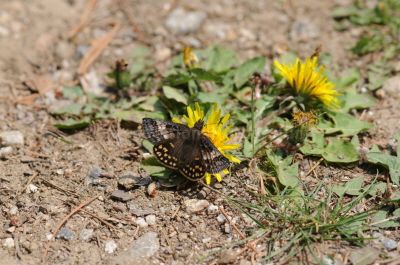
column 166, row 154
column 212, row 157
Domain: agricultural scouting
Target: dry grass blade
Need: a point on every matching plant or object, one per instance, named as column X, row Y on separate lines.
column 63, row 221
column 97, row 49
column 84, row 18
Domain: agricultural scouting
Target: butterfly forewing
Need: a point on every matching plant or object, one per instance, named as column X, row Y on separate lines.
column 158, row 131
column 212, row 157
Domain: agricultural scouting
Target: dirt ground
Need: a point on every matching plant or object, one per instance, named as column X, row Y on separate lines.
column 37, row 58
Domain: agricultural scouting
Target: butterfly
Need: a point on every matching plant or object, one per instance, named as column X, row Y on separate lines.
column 186, row 149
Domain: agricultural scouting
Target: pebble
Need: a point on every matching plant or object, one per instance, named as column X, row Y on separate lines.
column 139, row 251
column 85, row 234
column 128, row 181
column 11, row 138
column 151, row 220
column 30, row 246
column 303, row 30
column 81, row 50
column 162, row 54
column 181, row 22
column 227, row 256
column 389, row 244
column 6, row 151
column 66, row 234
column 31, row 189
column 392, row 86
column 141, row 222
column 206, row 240
column 94, row 173
column 221, row 218
column 110, row 246
column 121, row 195
column 9, row 243
column 194, row 205
column 227, row 228
column 212, row 209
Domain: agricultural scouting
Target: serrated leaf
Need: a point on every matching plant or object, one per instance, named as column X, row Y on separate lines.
column 73, row 109
column 246, row 70
column 334, row 151
column 73, row 92
column 346, row 124
column 71, row 124
column 173, row 93
column 389, row 162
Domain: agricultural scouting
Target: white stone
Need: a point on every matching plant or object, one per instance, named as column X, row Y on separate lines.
column 9, row 243
column 31, row 188
column 11, row 138
column 110, row 246
column 212, row 209
column 194, row 205
column 151, row 220
column 205, row 240
column 141, row 222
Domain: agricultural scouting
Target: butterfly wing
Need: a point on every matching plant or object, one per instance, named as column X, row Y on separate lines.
column 158, row 131
column 192, row 166
column 213, row 160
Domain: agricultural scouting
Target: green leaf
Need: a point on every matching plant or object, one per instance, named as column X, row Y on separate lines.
column 389, row 162
column 73, row 124
column 345, row 123
column 334, row 150
column 173, row 93
column 154, row 168
column 350, row 77
column 246, row 70
column 354, row 101
column 211, row 97
column 379, row 218
column 137, row 116
column 73, row 92
column 73, row 109
column 287, row 173
column 203, row 75
column 217, row 58
column 353, row 187
column 364, row 256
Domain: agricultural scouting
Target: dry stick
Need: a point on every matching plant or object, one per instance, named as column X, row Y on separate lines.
column 97, row 49
column 27, row 183
column 125, row 9
column 63, row 221
column 84, row 18
column 59, row 188
column 173, row 215
column 133, row 237
column 93, row 215
column 237, row 230
column 316, row 164
column 167, row 239
column 35, row 153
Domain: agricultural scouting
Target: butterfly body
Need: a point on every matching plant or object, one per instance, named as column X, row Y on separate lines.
column 186, row 149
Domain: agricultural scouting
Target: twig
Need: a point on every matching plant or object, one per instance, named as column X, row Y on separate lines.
column 63, row 221
column 17, row 249
column 97, row 49
column 125, row 9
column 93, row 215
column 133, row 237
column 237, row 230
column 35, row 153
column 59, row 188
column 27, row 183
column 84, row 18
column 316, row 164
column 173, row 215
column 167, row 239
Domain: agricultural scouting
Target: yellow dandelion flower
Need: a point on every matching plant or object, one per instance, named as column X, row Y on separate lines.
column 308, row 84
column 189, row 58
column 215, row 131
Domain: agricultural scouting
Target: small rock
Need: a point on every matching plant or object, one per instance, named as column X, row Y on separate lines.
column 30, row 246
column 181, row 22
column 31, row 188
column 94, row 173
column 218, row 186
column 182, row 237
column 11, row 138
column 121, row 195
column 13, row 210
column 221, row 218
column 4, row 32
column 110, row 246
column 128, row 182
column 303, row 30
column 390, row 244
column 27, row 159
column 162, row 54
column 85, row 234
column 141, row 222
column 194, row 205
column 227, row 228
column 206, row 240
column 212, row 209
column 66, row 234
column 9, row 243
column 227, row 256
column 392, row 86
column 81, row 50
column 151, row 220
column 6, row 151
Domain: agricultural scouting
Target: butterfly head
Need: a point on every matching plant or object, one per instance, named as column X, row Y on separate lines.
column 199, row 124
